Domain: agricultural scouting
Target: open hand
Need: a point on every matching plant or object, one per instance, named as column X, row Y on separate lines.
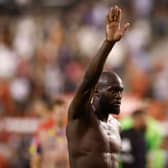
column 113, row 30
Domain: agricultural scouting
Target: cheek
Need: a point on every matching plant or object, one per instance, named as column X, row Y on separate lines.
column 110, row 96
column 102, row 99
column 106, row 98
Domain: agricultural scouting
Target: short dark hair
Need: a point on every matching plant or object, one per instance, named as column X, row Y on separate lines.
column 138, row 112
column 59, row 102
column 105, row 78
column 56, row 102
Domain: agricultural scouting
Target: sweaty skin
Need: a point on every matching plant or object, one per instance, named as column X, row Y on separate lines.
column 93, row 135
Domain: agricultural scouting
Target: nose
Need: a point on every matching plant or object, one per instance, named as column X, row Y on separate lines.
column 118, row 95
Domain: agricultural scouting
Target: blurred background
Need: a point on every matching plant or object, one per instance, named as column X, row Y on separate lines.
column 45, row 46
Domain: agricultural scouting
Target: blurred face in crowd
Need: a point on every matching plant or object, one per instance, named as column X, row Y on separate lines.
column 140, row 120
column 40, row 109
column 58, row 113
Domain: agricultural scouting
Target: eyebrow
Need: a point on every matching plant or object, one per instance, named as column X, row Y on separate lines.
column 119, row 88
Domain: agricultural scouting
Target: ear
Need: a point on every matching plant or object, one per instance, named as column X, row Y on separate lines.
column 96, row 91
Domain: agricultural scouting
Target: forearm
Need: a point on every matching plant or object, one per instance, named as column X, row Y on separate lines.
column 90, row 79
column 97, row 63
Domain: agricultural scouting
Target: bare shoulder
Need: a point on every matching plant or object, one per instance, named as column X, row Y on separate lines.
column 83, row 124
column 77, row 127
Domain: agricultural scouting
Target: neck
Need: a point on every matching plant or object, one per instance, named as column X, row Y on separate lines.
column 102, row 117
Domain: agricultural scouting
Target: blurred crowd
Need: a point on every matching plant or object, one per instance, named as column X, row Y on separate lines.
column 44, row 53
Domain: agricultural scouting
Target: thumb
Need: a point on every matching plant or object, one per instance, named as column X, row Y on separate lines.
column 126, row 26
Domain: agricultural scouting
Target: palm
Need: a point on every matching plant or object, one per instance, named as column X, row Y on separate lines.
column 113, row 30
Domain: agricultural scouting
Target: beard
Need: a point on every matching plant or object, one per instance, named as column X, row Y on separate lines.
column 105, row 105
column 110, row 107
column 113, row 109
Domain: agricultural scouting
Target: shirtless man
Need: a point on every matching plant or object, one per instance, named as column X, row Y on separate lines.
column 93, row 135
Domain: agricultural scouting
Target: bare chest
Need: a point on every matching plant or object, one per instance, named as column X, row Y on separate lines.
column 110, row 133
column 104, row 138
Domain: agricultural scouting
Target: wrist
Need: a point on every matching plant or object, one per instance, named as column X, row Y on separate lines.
column 110, row 41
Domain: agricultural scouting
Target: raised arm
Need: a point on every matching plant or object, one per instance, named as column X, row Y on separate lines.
column 113, row 34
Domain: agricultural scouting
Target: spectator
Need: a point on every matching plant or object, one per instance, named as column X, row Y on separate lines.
column 159, row 158
column 49, row 146
column 133, row 152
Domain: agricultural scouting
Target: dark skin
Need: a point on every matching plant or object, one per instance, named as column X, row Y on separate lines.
column 93, row 139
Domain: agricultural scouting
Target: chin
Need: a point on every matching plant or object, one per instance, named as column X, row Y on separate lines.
column 115, row 110
column 111, row 109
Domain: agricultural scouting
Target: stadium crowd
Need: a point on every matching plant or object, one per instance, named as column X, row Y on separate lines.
column 43, row 55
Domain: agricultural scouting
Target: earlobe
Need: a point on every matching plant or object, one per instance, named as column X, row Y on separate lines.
column 96, row 95
column 91, row 101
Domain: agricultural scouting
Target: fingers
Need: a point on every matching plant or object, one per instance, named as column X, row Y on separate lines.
column 119, row 15
column 114, row 15
column 108, row 19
